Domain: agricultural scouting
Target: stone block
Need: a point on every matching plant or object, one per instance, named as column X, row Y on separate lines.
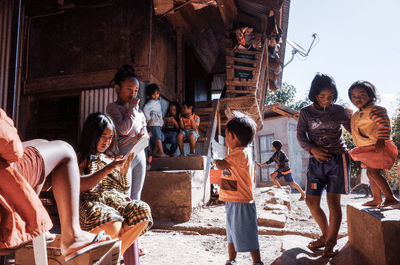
column 178, row 163
column 270, row 219
column 172, row 194
column 375, row 233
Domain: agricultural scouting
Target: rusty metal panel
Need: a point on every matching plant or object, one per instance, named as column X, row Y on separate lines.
column 95, row 100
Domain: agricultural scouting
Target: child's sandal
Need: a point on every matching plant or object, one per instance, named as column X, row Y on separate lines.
column 328, row 251
column 231, row 262
column 317, row 244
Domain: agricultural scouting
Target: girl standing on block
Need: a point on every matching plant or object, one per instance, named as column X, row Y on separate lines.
column 130, row 124
column 319, row 132
column 370, row 127
column 105, row 185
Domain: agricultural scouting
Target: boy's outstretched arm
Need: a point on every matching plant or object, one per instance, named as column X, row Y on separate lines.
column 222, row 164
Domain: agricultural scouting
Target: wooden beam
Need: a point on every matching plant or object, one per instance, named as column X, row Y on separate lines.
column 180, row 62
column 162, row 6
column 228, row 11
column 78, row 81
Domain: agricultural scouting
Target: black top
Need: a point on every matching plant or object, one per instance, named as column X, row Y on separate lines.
column 170, row 127
column 281, row 160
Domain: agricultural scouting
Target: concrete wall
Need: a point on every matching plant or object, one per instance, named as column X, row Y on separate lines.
column 284, row 129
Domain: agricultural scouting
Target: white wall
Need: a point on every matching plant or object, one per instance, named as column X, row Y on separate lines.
column 284, row 129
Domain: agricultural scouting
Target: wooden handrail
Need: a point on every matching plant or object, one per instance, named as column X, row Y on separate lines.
column 211, row 128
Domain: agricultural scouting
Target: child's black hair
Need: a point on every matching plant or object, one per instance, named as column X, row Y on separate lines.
column 178, row 108
column 243, row 126
column 277, row 144
column 92, row 130
column 189, row 104
column 367, row 86
column 151, row 89
column 319, row 83
column 126, row 72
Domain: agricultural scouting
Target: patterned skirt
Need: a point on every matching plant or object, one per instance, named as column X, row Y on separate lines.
column 97, row 208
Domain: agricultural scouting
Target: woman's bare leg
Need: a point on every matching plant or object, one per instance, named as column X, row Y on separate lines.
column 60, row 159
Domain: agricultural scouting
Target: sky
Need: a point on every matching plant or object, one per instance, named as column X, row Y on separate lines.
column 358, row 40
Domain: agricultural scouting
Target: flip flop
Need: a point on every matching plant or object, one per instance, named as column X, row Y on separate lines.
column 96, row 243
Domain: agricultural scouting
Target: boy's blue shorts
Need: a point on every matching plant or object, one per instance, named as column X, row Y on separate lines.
column 187, row 132
column 288, row 177
column 332, row 175
column 241, row 226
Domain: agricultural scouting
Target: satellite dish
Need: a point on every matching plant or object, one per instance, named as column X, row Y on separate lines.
column 298, row 49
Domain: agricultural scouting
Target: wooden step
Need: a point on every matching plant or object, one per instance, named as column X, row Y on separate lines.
column 234, row 91
column 232, row 53
column 236, row 82
column 230, row 60
column 252, row 69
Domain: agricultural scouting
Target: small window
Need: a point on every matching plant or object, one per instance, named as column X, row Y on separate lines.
column 266, row 152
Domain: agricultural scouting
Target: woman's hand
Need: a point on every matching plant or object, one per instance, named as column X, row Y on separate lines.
column 259, row 165
column 380, row 145
column 321, row 154
column 118, row 162
column 127, row 163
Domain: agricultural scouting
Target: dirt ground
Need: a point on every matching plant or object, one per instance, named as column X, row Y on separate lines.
column 202, row 239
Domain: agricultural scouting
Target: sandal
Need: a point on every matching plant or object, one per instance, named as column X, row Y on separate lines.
column 101, row 240
column 317, row 244
column 328, row 251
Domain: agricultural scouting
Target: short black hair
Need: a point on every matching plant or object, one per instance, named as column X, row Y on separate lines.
column 243, row 126
column 189, row 104
column 150, row 89
column 178, row 108
column 319, row 83
column 367, row 86
column 277, row 144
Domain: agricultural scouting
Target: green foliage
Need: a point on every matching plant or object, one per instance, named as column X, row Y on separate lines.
column 355, row 165
column 394, row 182
column 286, row 96
column 396, row 126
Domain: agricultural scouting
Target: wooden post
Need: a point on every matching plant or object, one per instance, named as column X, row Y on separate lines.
column 179, row 67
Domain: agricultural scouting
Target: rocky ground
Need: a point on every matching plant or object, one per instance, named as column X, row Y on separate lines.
column 285, row 228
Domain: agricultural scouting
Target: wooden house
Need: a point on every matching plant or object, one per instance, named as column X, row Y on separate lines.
column 57, row 58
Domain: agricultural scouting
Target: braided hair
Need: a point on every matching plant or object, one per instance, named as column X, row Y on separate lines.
column 124, row 73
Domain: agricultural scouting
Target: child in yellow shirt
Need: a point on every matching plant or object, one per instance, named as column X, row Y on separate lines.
column 236, row 189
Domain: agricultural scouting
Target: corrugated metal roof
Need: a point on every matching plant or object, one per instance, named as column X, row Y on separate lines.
column 258, row 8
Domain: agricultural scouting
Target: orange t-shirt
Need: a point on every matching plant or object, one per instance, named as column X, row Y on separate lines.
column 187, row 125
column 237, row 181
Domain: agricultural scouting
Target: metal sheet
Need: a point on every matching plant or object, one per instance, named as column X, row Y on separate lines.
column 95, row 100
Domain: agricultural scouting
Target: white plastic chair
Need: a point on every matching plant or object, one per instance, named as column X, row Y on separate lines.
column 40, row 250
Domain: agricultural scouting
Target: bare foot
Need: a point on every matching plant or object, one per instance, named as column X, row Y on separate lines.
column 373, row 203
column 70, row 245
column 389, row 202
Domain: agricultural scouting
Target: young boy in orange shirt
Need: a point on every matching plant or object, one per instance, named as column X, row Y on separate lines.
column 236, row 189
column 189, row 123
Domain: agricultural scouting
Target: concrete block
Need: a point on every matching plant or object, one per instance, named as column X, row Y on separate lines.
column 178, row 163
column 172, row 194
column 375, row 233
